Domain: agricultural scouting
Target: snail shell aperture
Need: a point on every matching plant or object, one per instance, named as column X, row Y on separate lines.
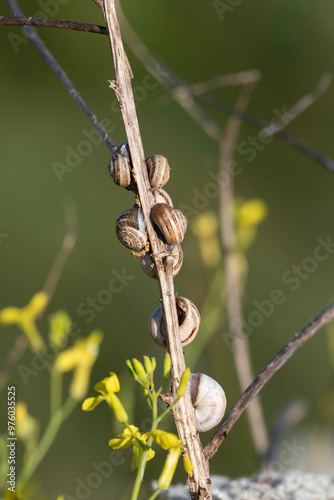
column 189, row 321
column 148, row 265
column 208, row 399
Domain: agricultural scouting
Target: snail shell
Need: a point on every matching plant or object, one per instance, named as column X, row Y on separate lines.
column 189, row 320
column 148, row 265
column 120, row 166
column 161, row 196
column 158, row 170
column 170, row 221
column 208, row 399
column 131, row 229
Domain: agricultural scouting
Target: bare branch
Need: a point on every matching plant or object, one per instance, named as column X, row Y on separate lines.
column 44, row 22
column 199, row 483
column 60, row 73
column 98, row 3
column 299, row 107
column 249, row 77
column 242, row 356
column 263, row 378
column 12, row 358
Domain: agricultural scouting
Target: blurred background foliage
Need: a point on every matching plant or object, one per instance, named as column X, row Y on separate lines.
column 291, row 44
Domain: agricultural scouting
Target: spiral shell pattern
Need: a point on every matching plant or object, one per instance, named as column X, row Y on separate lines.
column 158, row 170
column 170, row 221
column 131, row 229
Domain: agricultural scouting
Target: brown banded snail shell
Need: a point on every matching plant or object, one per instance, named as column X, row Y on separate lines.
column 189, row 321
column 120, row 166
column 208, row 399
column 131, row 229
column 170, row 221
column 158, row 171
column 148, row 265
column 161, row 196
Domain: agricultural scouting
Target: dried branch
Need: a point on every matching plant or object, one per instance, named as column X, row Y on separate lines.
column 249, row 77
column 60, row 73
column 12, row 358
column 299, row 107
column 241, row 352
column 183, row 410
column 45, row 22
column 98, row 3
column 263, row 378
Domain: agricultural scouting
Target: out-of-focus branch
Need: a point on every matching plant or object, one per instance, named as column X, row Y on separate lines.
column 241, row 349
column 60, row 73
column 263, row 378
column 299, row 107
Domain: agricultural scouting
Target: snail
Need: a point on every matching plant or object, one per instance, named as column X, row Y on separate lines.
column 158, row 171
column 120, row 166
column 170, row 221
column 148, row 265
column 208, row 399
column 161, row 196
column 131, row 229
column 188, row 317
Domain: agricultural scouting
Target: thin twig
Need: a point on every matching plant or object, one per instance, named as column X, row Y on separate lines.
column 45, row 22
column 60, row 73
column 259, row 123
column 98, row 3
column 183, row 410
column 12, row 358
column 263, row 378
column 249, row 77
column 299, row 107
column 241, row 351
column 65, row 250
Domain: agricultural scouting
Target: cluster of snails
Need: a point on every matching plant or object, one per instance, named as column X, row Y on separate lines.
column 207, row 396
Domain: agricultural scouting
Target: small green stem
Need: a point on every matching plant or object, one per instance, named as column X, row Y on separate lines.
column 155, row 494
column 48, row 437
column 143, row 458
column 56, row 390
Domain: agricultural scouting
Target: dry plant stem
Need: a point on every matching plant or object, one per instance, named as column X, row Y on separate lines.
column 241, row 349
column 183, row 410
column 299, row 107
column 60, row 73
column 12, row 358
column 251, row 76
column 44, row 22
column 263, row 378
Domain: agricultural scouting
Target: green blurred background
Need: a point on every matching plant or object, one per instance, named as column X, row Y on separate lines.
column 291, row 43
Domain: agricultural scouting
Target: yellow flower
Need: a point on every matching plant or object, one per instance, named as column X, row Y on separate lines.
column 25, row 318
column 80, row 358
column 107, row 388
column 26, row 425
column 205, row 228
column 132, row 437
column 60, row 327
column 251, row 213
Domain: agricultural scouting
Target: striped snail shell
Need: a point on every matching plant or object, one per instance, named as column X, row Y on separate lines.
column 170, row 221
column 189, row 320
column 208, row 399
column 158, row 171
column 120, row 166
column 148, row 265
column 131, row 229
column 161, row 196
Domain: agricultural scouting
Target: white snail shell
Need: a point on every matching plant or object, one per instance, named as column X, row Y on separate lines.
column 208, row 399
column 148, row 265
column 170, row 221
column 161, row 196
column 120, row 166
column 189, row 321
column 131, row 229
column 158, row 170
